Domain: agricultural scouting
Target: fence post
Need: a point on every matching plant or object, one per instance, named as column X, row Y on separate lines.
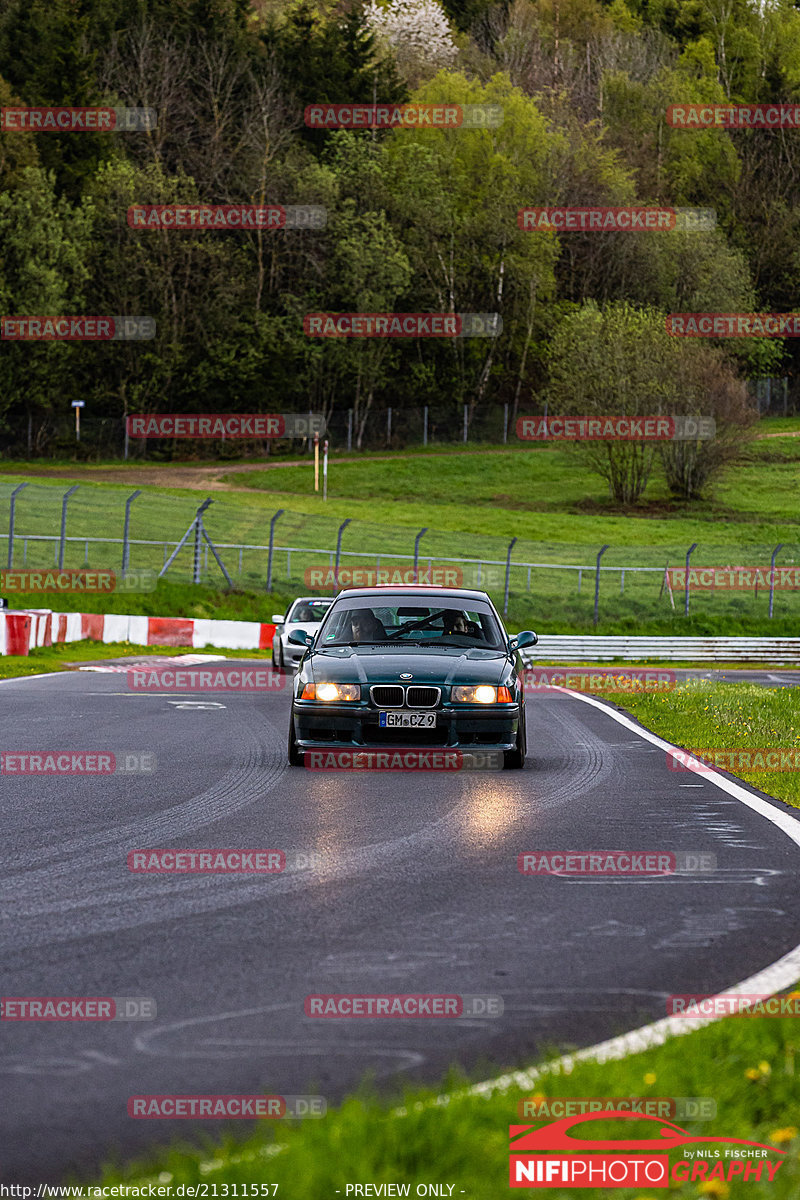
column 508, row 574
column 342, row 528
column 416, row 550
column 198, row 525
column 126, row 530
column 64, row 502
column 686, row 580
column 271, row 545
column 349, row 429
column 597, row 582
column 425, row 425
column 465, row 424
column 388, row 426
column 11, row 524
column 772, row 575
column 505, row 422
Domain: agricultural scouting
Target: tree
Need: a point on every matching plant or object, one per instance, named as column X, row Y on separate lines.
column 708, row 386
column 616, row 360
column 418, row 34
column 43, row 272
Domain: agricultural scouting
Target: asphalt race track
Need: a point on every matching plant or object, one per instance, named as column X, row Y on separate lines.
column 416, row 889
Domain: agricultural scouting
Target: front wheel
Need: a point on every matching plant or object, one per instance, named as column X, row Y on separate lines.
column 514, row 760
column 295, row 754
column 277, row 660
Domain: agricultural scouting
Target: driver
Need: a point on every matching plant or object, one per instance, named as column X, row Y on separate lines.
column 454, row 621
column 365, row 626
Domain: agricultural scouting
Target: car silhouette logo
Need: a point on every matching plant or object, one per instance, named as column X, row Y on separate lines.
column 555, row 1136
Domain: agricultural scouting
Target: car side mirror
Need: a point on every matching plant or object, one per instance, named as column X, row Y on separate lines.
column 298, row 638
column 278, row 618
column 526, row 638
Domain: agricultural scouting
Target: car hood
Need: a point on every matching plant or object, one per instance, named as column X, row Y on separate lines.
column 379, row 664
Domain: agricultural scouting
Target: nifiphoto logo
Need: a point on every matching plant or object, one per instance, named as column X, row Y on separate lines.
column 568, row 1153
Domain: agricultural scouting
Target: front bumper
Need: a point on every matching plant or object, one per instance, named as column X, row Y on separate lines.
column 342, row 726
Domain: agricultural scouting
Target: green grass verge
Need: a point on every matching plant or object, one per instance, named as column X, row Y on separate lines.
column 544, row 609
column 702, row 714
column 46, row 659
column 746, row 1065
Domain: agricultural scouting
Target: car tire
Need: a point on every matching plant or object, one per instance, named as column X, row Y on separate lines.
column 514, row 760
column 295, row 754
column 277, row 663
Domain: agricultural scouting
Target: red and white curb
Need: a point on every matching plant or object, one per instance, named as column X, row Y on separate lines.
column 23, row 631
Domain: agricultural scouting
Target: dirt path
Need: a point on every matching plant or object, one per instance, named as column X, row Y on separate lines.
column 212, row 478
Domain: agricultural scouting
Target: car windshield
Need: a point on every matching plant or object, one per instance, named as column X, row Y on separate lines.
column 414, row 620
column 309, row 610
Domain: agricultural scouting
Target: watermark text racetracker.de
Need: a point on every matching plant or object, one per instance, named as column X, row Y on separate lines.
column 78, row 1008
column 225, row 425
column 77, row 762
column 224, row 1107
column 605, row 863
column 723, row 325
column 38, row 119
column 596, row 678
column 617, row 220
column 216, row 861
column 401, row 1006
column 733, row 1004
column 77, row 329
column 403, row 116
column 400, row 758
column 674, row 1108
column 76, row 579
column 726, row 758
column 220, row 217
column 623, row 428
column 227, row 678
column 741, row 579
column 402, row 325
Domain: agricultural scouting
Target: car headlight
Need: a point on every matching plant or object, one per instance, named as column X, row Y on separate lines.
column 481, row 693
column 331, row 691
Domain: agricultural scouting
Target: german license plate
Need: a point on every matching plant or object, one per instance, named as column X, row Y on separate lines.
column 395, row 720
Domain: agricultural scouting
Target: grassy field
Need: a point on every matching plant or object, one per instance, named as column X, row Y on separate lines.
column 471, row 505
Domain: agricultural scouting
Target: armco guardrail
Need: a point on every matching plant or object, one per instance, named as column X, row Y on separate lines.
column 568, row 648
